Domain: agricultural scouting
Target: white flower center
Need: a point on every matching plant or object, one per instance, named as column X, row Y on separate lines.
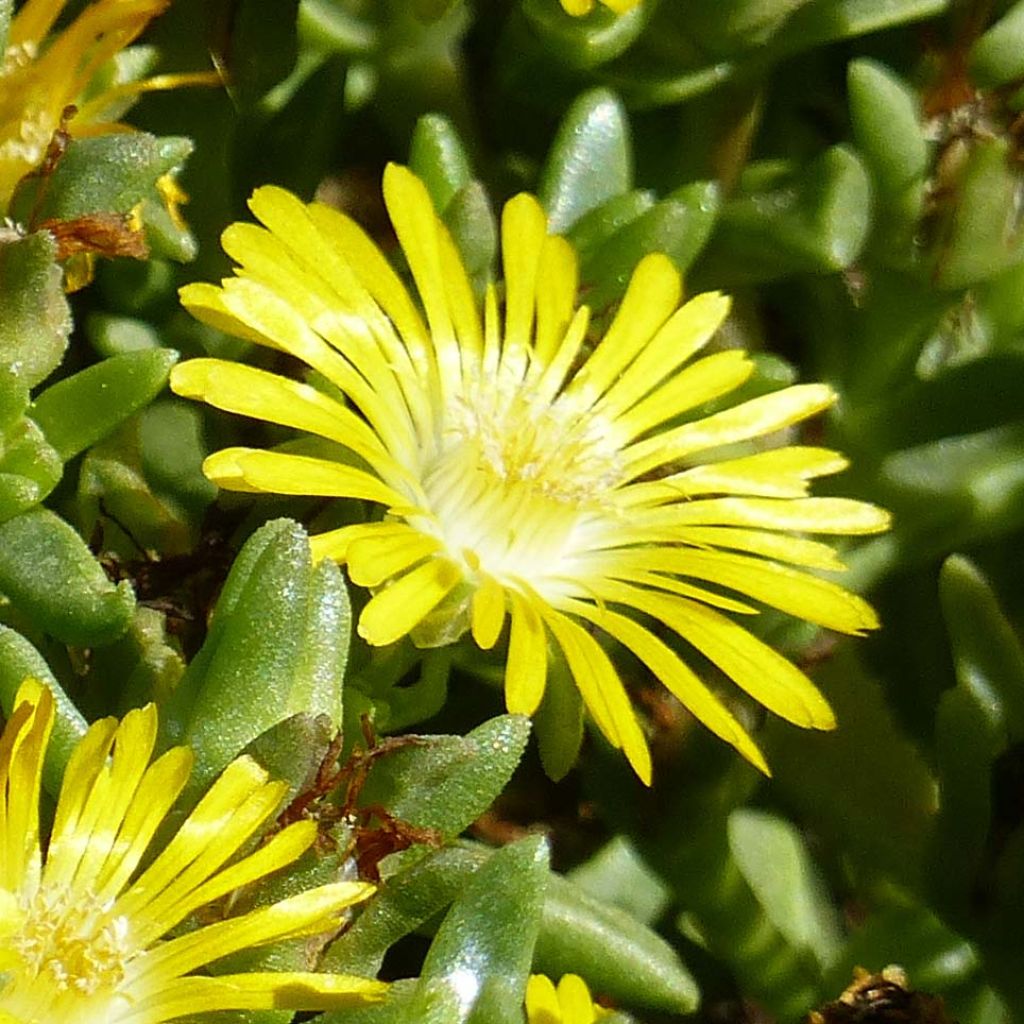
column 73, row 942
column 514, row 478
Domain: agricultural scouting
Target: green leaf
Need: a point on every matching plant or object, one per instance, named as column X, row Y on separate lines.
column 35, row 319
column 277, row 645
column 593, row 229
column 978, row 234
column 80, row 410
column 771, row 854
column 29, row 467
column 987, row 655
column 883, row 818
column 734, row 25
column 997, row 57
column 405, row 901
column 616, row 874
column 678, row 226
column 559, row 723
column 480, row 958
column 590, row 161
column 583, row 42
column 447, row 782
column 616, row 954
column 817, row 221
column 103, row 174
column 47, row 571
column 438, row 157
column 889, row 130
column 976, row 723
column 471, row 221
column 19, row 660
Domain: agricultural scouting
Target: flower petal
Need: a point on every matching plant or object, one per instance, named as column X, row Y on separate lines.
column 526, row 670
column 391, row 613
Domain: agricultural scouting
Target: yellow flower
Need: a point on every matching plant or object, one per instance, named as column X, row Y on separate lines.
column 570, row 1003
column 80, row 926
column 522, row 477
column 39, row 77
column 580, row 7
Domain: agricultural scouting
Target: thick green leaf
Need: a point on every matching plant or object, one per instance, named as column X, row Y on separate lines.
column 978, row 232
column 447, row 782
column 80, row 410
column 19, row 660
column 678, row 226
column 558, row 723
column 103, row 174
column 480, row 958
column 438, row 157
column 771, row 854
column 733, row 25
column 47, row 571
column 616, row 874
column 277, row 645
column 405, row 901
column 997, row 57
column 987, row 655
column 612, row 950
column 471, row 221
column 889, row 130
column 34, row 316
column 816, row 221
column 590, row 162
column 884, row 817
column 30, row 465
column 583, row 42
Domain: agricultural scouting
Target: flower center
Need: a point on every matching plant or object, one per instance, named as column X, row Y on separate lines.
column 515, row 476
column 77, row 946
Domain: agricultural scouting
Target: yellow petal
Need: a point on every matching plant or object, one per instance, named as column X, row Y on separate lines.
column 526, row 671
column 675, row 675
column 777, row 473
column 247, row 391
column 524, row 229
column 768, row 677
column 270, row 990
column 403, row 604
column 759, row 416
column 685, row 332
column 602, row 691
column 804, row 515
column 807, row 597
column 374, row 559
column 488, row 613
column 779, row 547
column 255, row 470
column 542, row 1006
column 704, row 381
column 557, row 283
column 651, row 298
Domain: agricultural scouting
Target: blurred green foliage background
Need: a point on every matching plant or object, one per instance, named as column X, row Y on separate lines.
column 852, row 172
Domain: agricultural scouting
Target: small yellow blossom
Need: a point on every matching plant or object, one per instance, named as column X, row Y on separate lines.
column 570, row 1003
column 41, row 76
column 82, row 927
column 523, row 476
column 581, row 7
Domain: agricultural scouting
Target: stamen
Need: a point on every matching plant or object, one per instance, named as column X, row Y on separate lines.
column 79, row 945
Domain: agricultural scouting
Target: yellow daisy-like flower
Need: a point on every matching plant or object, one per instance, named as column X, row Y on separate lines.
column 80, row 927
column 570, row 1003
column 40, row 76
column 521, row 477
column 577, row 8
